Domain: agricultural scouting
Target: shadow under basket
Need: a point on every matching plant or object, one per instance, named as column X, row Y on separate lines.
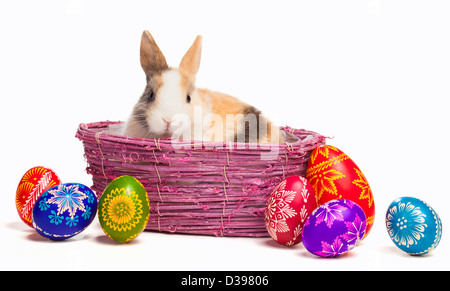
column 197, row 187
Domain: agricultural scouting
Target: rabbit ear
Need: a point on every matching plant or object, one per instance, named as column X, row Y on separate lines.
column 191, row 60
column 152, row 59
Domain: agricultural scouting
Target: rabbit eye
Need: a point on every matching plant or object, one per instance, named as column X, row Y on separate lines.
column 151, row 96
column 188, row 99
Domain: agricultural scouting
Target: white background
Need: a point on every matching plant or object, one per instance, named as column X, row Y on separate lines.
column 373, row 74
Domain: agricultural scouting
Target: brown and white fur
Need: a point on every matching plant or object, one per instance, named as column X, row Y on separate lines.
column 171, row 104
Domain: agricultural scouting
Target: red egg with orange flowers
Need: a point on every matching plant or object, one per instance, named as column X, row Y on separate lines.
column 34, row 182
column 333, row 175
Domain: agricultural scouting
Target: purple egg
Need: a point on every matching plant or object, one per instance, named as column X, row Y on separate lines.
column 334, row 228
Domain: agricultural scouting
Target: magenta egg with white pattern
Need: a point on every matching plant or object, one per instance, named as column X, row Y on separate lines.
column 334, row 228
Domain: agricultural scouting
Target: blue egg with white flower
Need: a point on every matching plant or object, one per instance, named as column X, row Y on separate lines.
column 413, row 225
column 64, row 211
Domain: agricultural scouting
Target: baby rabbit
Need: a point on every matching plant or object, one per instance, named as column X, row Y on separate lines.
column 172, row 106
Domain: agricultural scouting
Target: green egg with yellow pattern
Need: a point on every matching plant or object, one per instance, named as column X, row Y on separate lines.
column 124, row 209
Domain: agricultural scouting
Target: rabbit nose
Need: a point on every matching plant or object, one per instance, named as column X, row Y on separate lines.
column 167, row 121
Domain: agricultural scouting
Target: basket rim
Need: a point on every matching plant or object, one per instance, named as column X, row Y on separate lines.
column 94, row 130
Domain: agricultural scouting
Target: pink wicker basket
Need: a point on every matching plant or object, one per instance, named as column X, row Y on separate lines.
column 196, row 187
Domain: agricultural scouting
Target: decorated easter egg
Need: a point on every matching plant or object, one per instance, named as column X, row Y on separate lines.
column 64, row 211
column 334, row 175
column 334, row 228
column 413, row 225
column 34, row 182
column 287, row 208
column 124, row 209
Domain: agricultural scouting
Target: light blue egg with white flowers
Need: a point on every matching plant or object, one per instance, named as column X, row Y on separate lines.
column 64, row 211
column 413, row 225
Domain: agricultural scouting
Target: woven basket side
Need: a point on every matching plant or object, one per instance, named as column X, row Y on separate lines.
column 194, row 187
